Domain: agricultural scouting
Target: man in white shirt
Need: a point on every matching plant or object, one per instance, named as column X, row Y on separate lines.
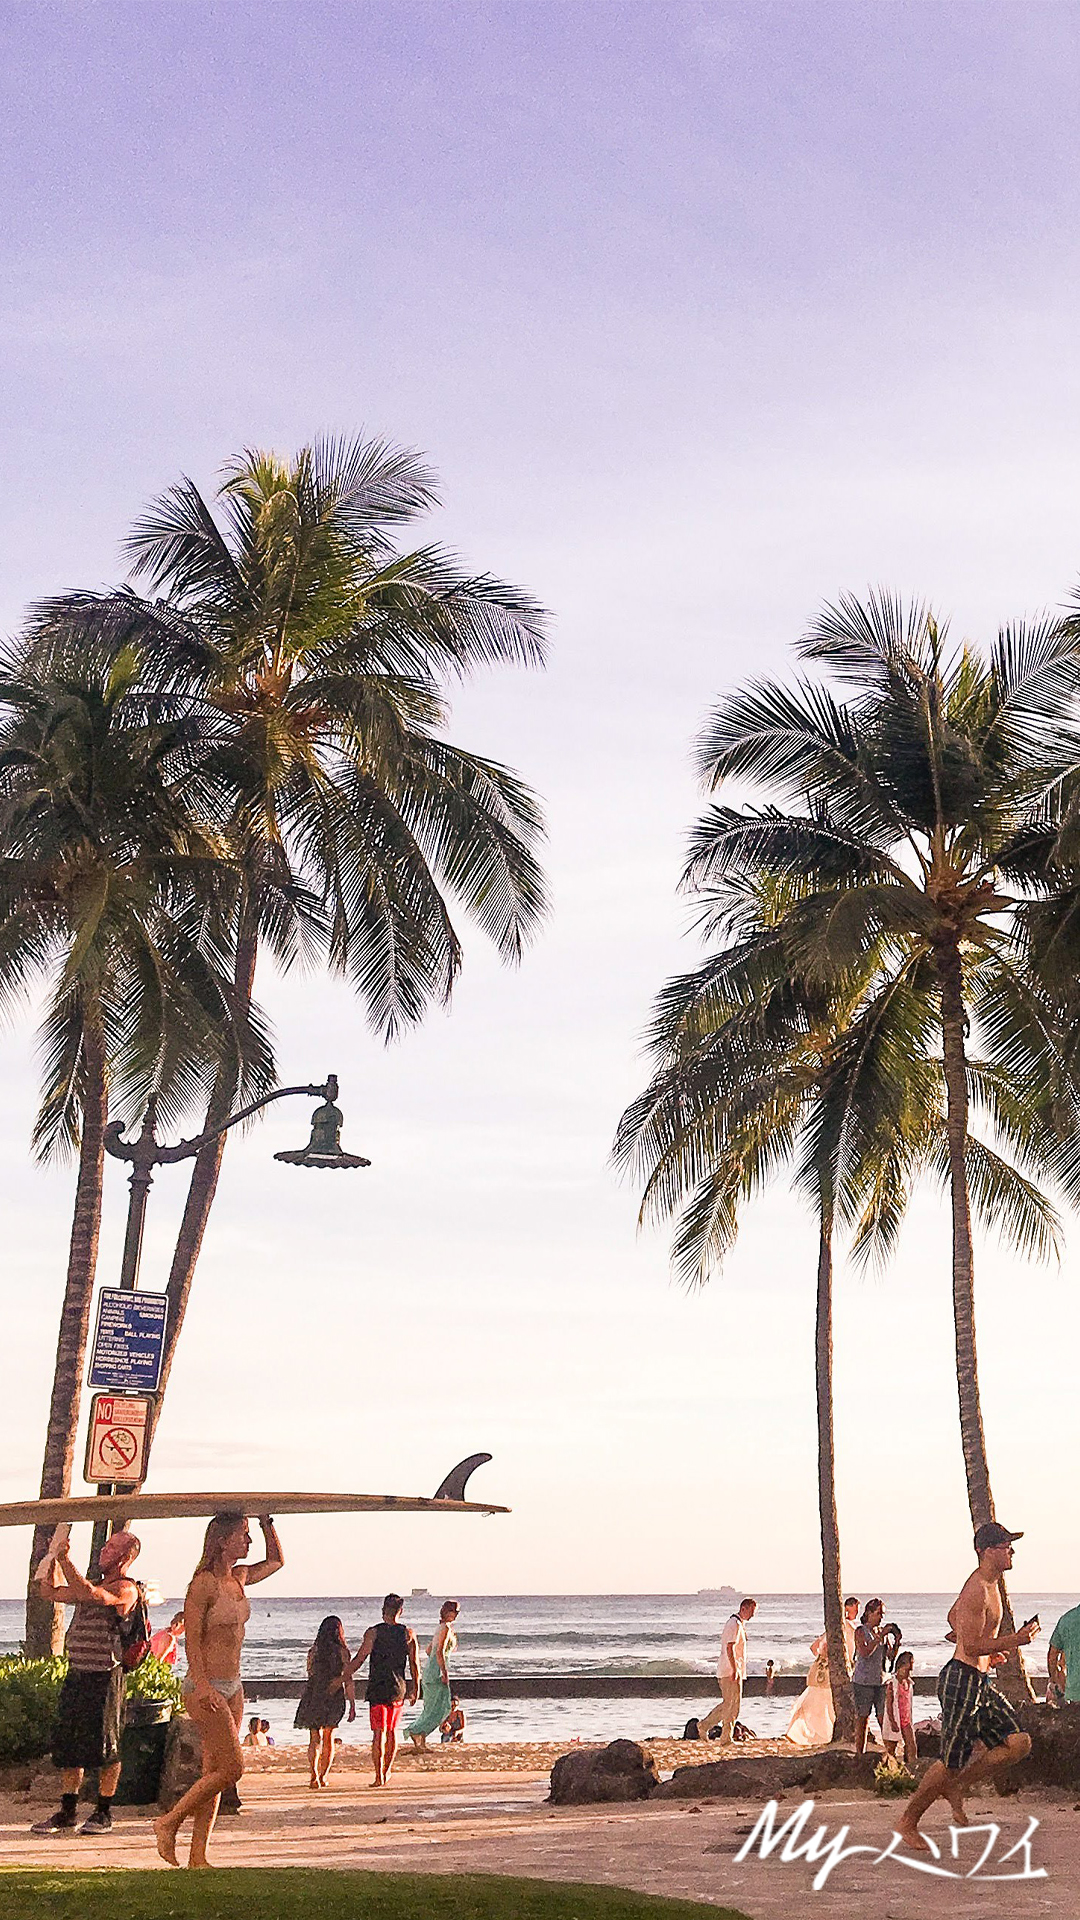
column 730, row 1672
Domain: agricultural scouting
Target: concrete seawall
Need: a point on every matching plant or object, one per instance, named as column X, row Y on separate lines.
column 590, row 1686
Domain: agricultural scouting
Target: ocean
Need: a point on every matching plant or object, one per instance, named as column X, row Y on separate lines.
column 621, row 1633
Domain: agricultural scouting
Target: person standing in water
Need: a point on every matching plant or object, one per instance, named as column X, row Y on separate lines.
column 216, row 1610
column 391, row 1649
column 980, row 1733
column 435, row 1680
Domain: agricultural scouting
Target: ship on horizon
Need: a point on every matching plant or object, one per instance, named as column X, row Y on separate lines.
column 717, row 1593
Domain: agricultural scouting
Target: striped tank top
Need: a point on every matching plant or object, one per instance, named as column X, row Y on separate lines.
column 93, row 1644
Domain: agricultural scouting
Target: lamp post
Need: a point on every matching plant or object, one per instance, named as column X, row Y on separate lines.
column 146, row 1153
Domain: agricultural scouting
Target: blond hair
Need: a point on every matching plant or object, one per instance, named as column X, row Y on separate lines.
column 217, row 1533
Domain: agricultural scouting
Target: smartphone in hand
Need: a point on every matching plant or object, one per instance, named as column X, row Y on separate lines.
column 61, row 1539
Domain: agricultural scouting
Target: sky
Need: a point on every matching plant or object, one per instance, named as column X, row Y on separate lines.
column 704, row 314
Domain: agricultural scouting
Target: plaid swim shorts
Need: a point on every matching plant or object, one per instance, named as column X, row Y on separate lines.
column 972, row 1709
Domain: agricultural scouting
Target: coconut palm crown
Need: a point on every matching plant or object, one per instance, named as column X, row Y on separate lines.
column 115, row 901
column 930, row 813
column 324, row 648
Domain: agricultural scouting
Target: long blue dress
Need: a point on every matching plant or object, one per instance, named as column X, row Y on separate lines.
column 434, row 1693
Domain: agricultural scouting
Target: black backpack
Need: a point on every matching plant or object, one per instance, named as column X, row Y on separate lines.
column 134, row 1631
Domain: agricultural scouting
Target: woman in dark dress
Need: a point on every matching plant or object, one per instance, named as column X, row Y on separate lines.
column 323, row 1701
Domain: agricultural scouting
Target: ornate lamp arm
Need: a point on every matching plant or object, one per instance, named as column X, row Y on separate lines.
column 146, row 1149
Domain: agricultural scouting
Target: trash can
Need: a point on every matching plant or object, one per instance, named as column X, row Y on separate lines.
column 142, row 1751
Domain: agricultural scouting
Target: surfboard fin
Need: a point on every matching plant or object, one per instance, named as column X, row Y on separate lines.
column 453, row 1487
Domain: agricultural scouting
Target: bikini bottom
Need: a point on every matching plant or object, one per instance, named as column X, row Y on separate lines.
column 227, row 1688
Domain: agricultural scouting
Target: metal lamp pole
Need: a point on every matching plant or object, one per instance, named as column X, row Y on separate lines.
column 146, row 1153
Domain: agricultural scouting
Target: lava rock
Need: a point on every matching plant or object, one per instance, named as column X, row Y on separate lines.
column 839, row 1767
column 753, row 1778
column 1054, row 1760
column 619, row 1771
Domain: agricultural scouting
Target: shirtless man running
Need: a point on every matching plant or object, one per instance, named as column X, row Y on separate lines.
column 980, row 1732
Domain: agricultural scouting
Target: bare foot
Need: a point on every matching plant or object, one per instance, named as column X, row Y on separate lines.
column 201, row 1862
column 165, row 1835
column 911, row 1837
column 959, row 1811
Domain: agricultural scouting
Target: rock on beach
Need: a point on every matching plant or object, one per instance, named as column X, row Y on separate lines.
column 620, row 1771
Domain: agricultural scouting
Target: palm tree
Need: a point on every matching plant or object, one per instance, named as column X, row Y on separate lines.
column 325, row 649
column 929, row 809
column 757, row 1069
column 109, row 888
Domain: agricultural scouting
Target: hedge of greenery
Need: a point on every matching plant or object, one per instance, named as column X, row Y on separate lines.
column 28, row 1694
column 153, row 1680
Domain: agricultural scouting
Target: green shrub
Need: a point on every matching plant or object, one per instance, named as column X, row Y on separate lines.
column 892, row 1777
column 28, row 1696
column 29, row 1690
column 155, row 1680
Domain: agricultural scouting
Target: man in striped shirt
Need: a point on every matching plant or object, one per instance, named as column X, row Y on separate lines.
column 88, row 1716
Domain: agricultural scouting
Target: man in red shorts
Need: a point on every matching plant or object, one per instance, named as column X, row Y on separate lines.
column 391, row 1649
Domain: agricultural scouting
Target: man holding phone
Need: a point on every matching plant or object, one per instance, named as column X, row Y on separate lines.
column 90, row 1709
column 980, row 1732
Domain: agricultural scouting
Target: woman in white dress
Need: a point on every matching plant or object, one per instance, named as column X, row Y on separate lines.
column 812, row 1719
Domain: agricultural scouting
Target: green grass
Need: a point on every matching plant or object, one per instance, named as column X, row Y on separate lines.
column 301, row 1893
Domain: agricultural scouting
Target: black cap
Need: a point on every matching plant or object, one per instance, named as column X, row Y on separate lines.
column 993, row 1534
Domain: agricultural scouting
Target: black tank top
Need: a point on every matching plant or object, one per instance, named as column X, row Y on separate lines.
column 386, row 1665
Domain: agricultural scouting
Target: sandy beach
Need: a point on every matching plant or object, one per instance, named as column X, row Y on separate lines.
column 518, row 1756
column 483, row 1810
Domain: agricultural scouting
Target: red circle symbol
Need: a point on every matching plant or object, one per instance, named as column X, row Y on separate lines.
column 118, row 1447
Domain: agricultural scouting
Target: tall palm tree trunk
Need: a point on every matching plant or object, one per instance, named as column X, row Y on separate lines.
column 207, row 1166
column 44, row 1621
column 1013, row 1676
column 973, row 1440
column 832, row 1591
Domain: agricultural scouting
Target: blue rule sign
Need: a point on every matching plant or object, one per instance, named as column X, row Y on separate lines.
column 129, row 1339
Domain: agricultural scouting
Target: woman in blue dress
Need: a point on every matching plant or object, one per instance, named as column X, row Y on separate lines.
column 435, row 1679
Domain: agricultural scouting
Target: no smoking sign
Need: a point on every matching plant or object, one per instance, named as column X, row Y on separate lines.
column 116, row 1443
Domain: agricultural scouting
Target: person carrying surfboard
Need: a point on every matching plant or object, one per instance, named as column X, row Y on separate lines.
column 216, row 1610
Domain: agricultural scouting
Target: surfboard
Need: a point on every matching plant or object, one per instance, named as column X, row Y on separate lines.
column 133, row 1507
column 449, row 1498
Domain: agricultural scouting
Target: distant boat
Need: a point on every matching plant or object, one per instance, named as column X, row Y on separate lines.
column 718, row 1593
column 421, row 1593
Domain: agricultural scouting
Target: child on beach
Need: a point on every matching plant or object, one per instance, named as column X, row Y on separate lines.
column 897, row 1724
column 453, row 1727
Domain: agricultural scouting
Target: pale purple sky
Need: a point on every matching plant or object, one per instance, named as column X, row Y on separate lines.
column 704, row 313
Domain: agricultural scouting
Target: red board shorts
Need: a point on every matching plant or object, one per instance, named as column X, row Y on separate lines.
column 384, row 1716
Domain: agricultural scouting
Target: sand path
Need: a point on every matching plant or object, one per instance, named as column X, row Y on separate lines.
column 498, row 1823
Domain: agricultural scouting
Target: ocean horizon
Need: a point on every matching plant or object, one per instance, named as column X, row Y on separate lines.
column 631, row 1635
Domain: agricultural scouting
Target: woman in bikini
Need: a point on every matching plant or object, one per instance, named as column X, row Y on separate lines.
column 216, row 1612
